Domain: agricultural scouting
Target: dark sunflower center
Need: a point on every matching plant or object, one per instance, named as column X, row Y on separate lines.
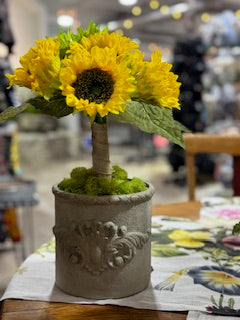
column 95, row 85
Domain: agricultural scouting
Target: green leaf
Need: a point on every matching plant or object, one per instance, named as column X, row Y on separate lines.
column 236, row 228
column 214, row 301
column 12, row 112
column 220, row 302
column 152, row 119
column 55, row 106
column 66, row 37
column 165, row 250
column 92, row 28
column 161, row 237
column 231, row 303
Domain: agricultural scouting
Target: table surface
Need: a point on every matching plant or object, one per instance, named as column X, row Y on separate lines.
column 38, row 310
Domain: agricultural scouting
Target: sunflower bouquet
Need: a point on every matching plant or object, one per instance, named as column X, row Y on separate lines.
column 104, row 75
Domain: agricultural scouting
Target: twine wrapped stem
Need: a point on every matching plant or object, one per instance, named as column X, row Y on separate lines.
column 100, row 150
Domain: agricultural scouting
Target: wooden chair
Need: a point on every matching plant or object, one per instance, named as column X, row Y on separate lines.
column 211, row 143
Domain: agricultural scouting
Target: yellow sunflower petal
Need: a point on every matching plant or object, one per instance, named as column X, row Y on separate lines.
column 121, row 44
column 21, row 78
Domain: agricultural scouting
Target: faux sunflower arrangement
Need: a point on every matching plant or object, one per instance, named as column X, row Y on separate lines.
column 104, row 75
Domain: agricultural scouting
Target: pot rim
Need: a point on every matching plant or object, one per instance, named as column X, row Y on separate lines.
column 137, row 197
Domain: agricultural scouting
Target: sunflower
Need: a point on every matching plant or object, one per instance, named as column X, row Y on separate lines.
column 156, row 84
column 40, row 68
column 95, row 81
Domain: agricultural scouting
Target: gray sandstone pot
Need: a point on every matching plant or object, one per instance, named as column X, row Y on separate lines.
column 103, row 243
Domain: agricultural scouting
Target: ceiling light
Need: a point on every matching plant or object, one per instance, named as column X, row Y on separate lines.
column 128, row 24
column 127, row 2
column 176, row 15
column 136, row 11
column 112, row 25
column 181, row 7
column 119, row 32
column 65, row 20
column 205, row 17
column 154, row 4
column 164, row 9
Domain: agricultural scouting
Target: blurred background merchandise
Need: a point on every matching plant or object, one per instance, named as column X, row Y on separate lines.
column 200, row 38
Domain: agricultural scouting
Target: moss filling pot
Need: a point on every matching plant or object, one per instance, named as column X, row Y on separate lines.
column 103, row 247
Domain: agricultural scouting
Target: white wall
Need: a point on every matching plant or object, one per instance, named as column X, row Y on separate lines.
column 28, row 20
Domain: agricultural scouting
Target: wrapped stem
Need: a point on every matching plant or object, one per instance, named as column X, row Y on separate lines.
column 100, row 150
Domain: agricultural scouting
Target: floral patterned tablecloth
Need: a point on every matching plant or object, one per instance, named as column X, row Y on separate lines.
column 196, row 267
column 219, row 210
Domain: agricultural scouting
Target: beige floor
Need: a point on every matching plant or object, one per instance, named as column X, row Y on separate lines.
column 155, row 171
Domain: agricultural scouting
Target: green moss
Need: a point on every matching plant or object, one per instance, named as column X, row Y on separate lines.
column 119, row 173
column 77, row 173
column 83, row 181
column 71, row 185
column 91, row 186
column 131, row 186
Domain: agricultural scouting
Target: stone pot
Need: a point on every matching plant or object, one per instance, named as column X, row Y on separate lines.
column 103, row 247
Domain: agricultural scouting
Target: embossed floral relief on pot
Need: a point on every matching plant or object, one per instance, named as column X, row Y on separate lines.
column 99, row 246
